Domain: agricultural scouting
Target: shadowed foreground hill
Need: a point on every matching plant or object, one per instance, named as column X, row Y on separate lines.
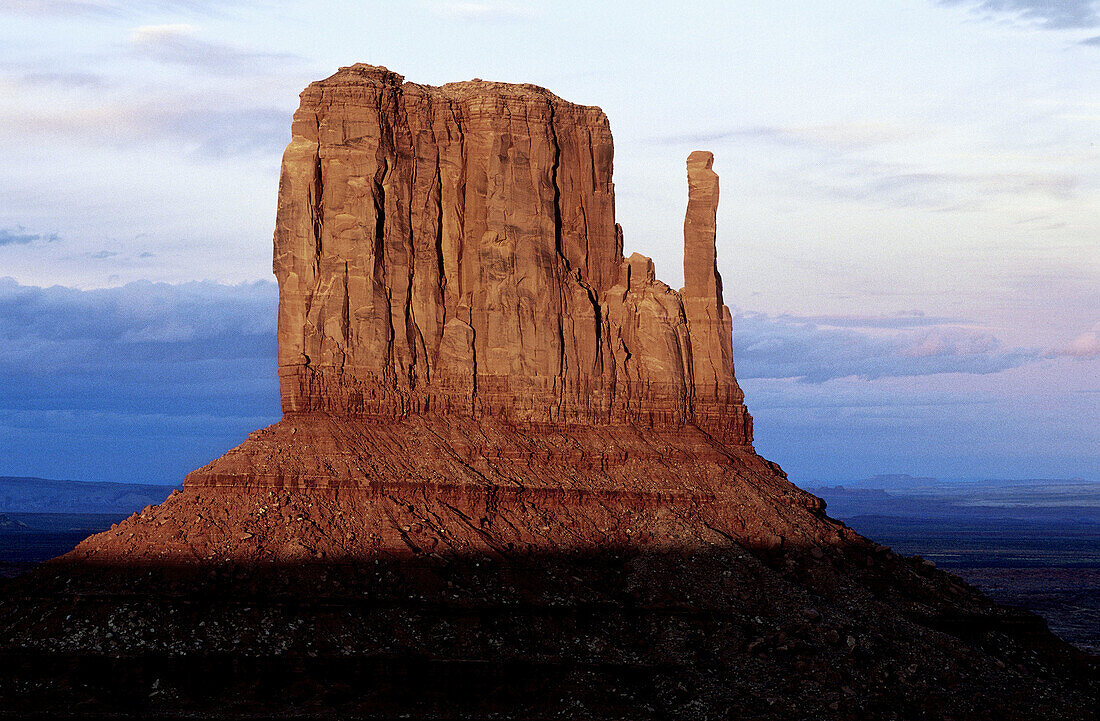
column 514, row 478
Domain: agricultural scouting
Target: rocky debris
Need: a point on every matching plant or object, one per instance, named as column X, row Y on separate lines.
column 621, row 632
column 478, row 485
column 514, row 478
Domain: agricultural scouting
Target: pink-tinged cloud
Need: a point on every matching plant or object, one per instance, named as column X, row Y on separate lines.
column 815, row 350
column 950, row 341
column 1086, row 345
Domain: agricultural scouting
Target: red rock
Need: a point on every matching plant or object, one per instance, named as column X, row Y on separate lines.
column 461, row 338
column 453, row 249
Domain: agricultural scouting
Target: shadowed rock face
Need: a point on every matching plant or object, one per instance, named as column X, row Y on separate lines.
column 453, row 250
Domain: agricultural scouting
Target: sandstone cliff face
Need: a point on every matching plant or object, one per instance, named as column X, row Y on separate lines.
column 459, row 329
column 453, row 250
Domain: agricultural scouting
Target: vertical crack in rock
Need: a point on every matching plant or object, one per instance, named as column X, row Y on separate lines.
column 561, row 260
column 383, row 292
column 345, row 317
column 318, row 207
column 436, row 198
column 412, row 329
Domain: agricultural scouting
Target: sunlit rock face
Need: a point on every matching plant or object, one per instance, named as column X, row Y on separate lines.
column 460, row 337
column 453, row 250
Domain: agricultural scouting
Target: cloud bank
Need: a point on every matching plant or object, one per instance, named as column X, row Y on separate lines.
column 147, row 333
column 20, row 236
column 815, row 350
column 179, row 349
column 1047, row 14
column 148, row 381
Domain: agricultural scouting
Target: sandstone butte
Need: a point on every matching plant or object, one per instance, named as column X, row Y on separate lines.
column 514, row 478
column 465, row 351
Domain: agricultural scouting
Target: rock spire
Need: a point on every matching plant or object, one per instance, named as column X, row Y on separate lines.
column 715, row 389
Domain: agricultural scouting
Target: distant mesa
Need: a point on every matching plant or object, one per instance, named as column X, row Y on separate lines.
column 43, row 495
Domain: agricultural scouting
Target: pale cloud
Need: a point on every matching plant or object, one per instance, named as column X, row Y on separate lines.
column 487, row 10
column 153, row 34
column 1047, row 14
column 768, row 346
column 898, row 320
column 948, row 190
column 956, row 342
column 20, row 236
column 219, row 132
column 218, row 123
column 1084, row 346
column 834, row 137
column 840, row 163
column 179, row 44
column 65, row 79
column 115, row 8
column 196, row 125
column 57, row 7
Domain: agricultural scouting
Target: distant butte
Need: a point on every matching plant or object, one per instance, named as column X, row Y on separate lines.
column 514, row 478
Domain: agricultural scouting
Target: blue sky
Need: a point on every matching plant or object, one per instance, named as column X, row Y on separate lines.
column 909, row 229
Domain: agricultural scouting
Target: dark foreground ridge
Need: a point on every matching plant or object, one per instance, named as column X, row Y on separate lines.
column 514, row 478
column 697, row 633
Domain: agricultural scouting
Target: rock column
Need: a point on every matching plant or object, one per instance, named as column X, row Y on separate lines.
column 717, row 397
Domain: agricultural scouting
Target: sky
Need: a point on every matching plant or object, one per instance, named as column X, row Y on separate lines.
column 908, row 233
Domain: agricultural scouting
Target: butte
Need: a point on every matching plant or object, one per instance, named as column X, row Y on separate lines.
column 514, row 477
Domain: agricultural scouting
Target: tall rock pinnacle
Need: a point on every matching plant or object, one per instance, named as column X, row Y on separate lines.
column 701, row 278
column 712, row 327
